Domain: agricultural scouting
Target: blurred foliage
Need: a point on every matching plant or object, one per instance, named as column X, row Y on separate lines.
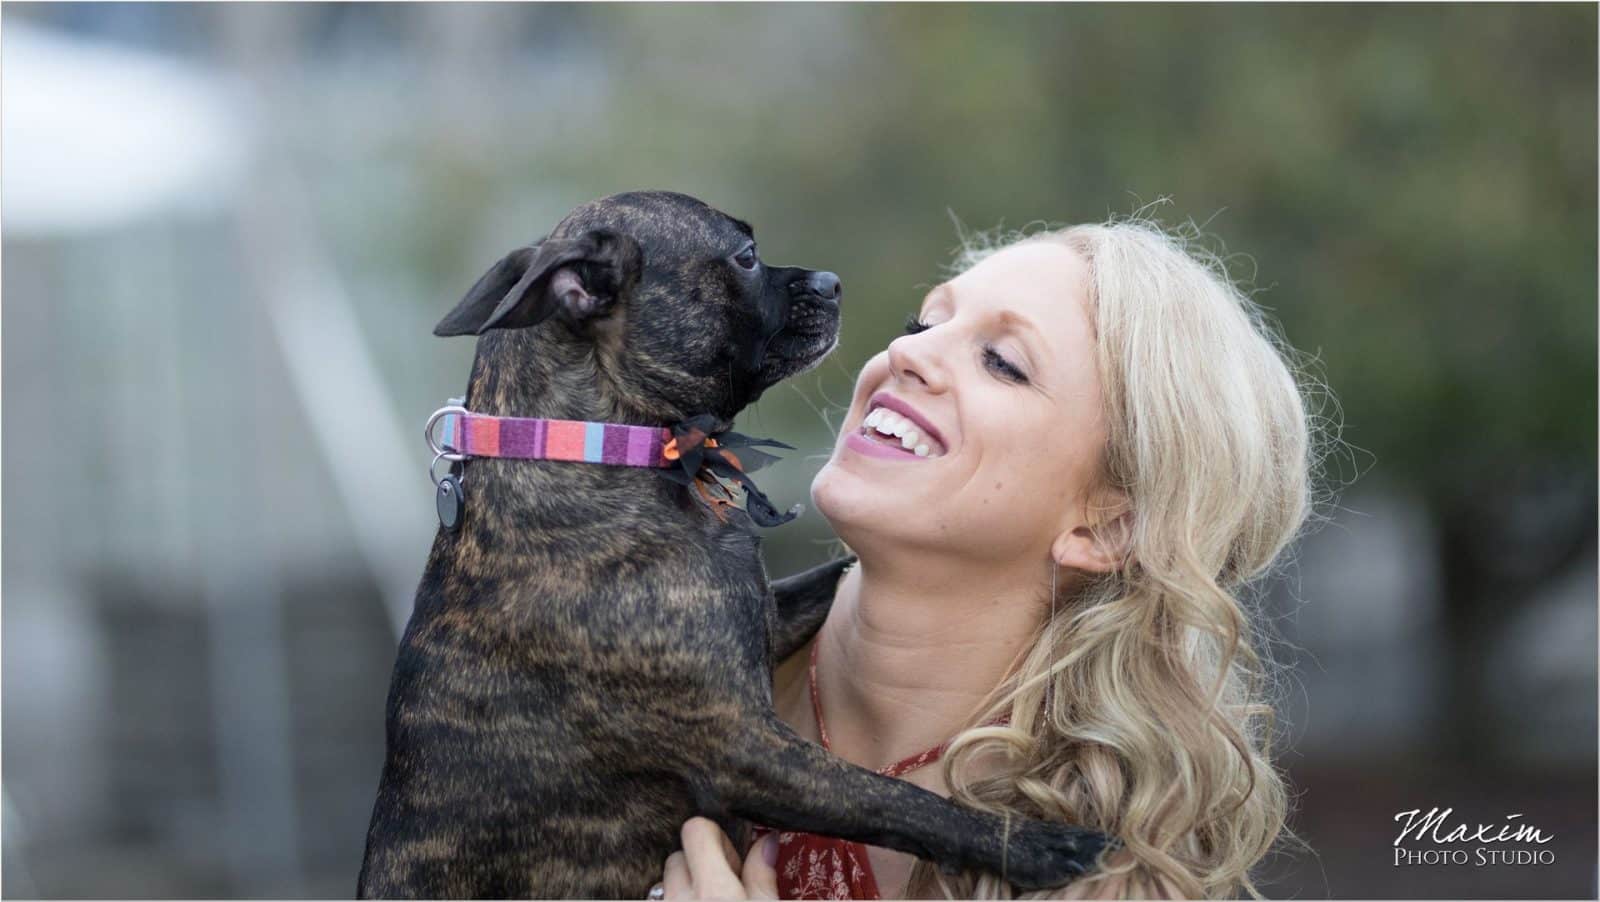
column 1411, row 189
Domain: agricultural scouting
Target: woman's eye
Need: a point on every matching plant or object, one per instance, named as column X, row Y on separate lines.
column 994, row 361
column 991, row 358
column 746, row 258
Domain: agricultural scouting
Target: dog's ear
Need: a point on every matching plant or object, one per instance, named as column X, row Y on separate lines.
column 581, row 276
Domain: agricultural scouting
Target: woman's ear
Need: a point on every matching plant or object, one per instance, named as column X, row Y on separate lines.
column 1098, row 547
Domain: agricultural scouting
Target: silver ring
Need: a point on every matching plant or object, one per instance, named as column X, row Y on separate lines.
column 657, row 892
column 437, row 479
column 427, row 433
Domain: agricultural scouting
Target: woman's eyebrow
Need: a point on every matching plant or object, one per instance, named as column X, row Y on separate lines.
column 1016, row 322
column 1010, row 320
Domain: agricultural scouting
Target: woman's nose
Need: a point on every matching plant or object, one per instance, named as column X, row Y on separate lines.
column 913, row 357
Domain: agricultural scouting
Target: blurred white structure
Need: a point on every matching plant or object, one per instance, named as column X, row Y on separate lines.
column 97, row 136
column 205, row 470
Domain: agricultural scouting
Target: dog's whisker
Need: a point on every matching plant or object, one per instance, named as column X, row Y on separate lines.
column 821, row 414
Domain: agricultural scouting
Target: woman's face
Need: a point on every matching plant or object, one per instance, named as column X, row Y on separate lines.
column 998, row 392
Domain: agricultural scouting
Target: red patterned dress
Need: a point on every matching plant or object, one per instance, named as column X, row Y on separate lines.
column 823, row 867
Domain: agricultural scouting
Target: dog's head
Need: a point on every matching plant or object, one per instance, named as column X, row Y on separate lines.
column 684, row 315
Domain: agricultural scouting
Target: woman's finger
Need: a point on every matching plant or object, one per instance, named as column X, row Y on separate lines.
column 703, row 832
column 675, row 877
column 713, row 864
column 760, row 873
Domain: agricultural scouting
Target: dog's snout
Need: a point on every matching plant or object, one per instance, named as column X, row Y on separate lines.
column 823, row 285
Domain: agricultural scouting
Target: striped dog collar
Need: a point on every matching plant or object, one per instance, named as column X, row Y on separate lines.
column 466, row 434
column 689, row 453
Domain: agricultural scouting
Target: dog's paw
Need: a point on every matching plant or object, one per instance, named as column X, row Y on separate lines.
column 1044, row 855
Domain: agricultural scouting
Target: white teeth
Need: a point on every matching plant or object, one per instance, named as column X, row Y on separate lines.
column 886, row 423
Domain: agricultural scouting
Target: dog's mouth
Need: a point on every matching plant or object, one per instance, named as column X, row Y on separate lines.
column 805, row 339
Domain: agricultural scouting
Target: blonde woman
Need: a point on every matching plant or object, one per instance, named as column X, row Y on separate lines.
column 1059, row 484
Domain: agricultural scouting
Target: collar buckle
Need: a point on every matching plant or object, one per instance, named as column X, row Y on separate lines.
column 446, row 448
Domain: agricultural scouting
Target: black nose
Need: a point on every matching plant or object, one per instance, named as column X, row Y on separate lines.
column 824, row 285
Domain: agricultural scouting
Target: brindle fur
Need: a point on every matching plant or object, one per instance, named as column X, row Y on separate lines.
column 589, row 660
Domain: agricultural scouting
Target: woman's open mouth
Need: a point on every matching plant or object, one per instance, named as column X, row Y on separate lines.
column 886, row 433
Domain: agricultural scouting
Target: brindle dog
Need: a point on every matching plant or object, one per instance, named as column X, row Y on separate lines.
column 589, row 662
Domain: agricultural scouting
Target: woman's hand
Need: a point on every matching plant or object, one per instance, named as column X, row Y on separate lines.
column 708, row 866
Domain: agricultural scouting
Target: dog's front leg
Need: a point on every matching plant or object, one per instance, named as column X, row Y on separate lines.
column 803, row 603
column 776, row 778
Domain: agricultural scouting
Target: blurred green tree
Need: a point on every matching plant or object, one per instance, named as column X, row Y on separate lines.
column 1415, row 187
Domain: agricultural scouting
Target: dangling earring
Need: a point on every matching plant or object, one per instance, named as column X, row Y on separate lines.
column 1050, row 684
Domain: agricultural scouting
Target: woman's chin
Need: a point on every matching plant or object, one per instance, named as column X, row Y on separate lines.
column 878, row 516
column 845, row 501
column 859, row 513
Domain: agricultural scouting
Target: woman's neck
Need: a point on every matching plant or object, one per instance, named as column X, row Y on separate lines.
column 904, row 661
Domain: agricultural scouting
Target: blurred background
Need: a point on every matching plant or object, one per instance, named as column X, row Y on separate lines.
column 229, row 230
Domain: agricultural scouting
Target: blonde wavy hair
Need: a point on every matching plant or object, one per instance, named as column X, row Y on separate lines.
column 1145, row 706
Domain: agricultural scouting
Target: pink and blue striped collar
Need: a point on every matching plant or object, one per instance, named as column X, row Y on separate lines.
column 467, row 434
column 715, row 463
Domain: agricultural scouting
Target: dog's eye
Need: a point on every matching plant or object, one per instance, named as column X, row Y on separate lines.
column 746, row 258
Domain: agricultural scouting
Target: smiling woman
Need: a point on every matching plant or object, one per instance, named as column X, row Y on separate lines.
column 1059, row 484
